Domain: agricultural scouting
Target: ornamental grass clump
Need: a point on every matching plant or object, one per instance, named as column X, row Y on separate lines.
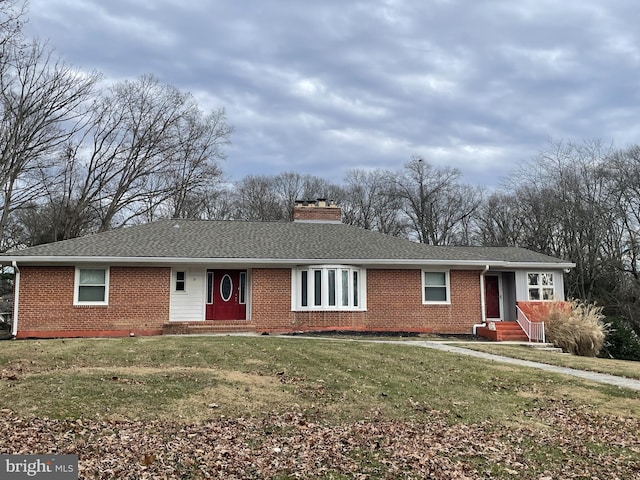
column 576, row 327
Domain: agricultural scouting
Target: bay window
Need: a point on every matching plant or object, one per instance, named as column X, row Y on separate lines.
column 328, row 287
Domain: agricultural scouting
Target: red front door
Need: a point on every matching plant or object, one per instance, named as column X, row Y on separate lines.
column 492, row 296
column 226, row 295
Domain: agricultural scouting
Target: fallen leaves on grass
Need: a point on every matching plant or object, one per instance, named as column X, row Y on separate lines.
column 572, row 442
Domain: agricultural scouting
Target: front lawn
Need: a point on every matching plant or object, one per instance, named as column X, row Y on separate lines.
column 265, row 407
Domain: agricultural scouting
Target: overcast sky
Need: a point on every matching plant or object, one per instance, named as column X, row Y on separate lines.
column 323, row 86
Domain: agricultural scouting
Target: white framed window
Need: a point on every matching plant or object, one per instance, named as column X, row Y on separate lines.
column 91, row 286
column 181, row 281
column 540, row 286
column 328, row 287
column 435, row 287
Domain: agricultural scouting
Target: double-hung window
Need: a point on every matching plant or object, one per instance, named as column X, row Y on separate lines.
column 91, row 286
column 328, row 287
column 540, row 286
column 435, row 287
column 181, row 282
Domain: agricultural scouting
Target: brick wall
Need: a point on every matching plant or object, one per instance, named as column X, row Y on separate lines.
column 394, row 303
column 271, row 299
column 138, row 303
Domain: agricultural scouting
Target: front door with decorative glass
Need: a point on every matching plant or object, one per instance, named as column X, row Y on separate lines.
column 226, row 295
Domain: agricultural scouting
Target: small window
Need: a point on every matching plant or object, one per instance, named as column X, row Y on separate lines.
column 540, row 286
column 180, row 282
column 435, row 287
column 92, row 286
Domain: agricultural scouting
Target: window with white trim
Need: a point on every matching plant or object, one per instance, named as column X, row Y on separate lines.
column 181, row 281
column 435, row 287
column 328, row 287
column 91, row 286
column 540, row 286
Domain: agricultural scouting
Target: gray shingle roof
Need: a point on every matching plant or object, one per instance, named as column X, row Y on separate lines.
column 266, row 241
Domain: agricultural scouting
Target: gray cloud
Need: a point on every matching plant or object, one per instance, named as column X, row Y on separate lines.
column 321, row 87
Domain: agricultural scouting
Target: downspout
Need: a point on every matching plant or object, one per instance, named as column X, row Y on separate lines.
column 16, row 298
column 482, row 301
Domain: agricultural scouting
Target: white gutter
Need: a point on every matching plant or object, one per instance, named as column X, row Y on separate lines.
column 390, row 262
column 482, row 301
column 16, row 298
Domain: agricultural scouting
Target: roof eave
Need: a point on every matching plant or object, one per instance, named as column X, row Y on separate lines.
column 40, row 260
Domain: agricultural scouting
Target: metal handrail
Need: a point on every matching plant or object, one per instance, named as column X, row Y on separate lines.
column 533, row 330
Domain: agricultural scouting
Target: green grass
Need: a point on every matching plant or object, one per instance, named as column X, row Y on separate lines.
column 192, row 380
column 621, row 368
column 181, row 377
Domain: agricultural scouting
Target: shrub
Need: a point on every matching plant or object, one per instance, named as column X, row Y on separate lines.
column 622, row 342
column 576, row 327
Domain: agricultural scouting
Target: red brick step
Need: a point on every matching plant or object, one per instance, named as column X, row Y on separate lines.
column 503, row 331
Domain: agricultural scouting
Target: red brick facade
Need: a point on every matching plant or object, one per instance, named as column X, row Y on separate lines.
column 394, row 303
column 271, row 300
column 139, row 299
column 138, row 303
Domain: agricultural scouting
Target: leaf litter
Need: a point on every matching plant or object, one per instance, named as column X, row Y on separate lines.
column 566, row 441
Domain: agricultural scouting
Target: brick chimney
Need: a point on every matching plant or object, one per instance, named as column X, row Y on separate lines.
column 317, row 211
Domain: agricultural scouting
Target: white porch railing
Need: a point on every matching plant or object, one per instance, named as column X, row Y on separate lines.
column 533, row 330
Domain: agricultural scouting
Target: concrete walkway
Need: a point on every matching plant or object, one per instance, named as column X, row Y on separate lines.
column 593, row 376
column 622, row 382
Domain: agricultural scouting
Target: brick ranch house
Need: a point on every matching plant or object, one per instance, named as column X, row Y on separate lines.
column 312, row 274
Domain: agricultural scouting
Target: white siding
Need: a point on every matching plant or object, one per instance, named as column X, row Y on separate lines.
column 190, row 304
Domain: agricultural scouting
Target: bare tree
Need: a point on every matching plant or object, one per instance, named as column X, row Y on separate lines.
column 218, row 204
column 369, row 202
column 570, row 209
column 435, row 203
column 291, row 186
column 12, row 14
column 41, row 102
column 194, row 170
column 498, row 221
column 147, row 150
